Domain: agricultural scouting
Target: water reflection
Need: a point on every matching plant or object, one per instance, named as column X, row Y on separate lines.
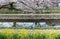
column 29, row 24
column 6, row 24
column 25, row 24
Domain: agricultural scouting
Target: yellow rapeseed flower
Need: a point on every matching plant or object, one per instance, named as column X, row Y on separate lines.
column 22, row 33
column 8, row 32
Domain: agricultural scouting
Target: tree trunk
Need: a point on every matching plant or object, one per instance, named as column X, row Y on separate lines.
column 11, row 5
column 14, row 24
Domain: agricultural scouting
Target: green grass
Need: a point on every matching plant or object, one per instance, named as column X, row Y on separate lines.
column 14, row 11
column 10, row 11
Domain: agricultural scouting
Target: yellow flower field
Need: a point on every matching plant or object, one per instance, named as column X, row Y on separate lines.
column 29, row 34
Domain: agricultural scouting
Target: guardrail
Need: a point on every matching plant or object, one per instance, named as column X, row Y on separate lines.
column 29, row 16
